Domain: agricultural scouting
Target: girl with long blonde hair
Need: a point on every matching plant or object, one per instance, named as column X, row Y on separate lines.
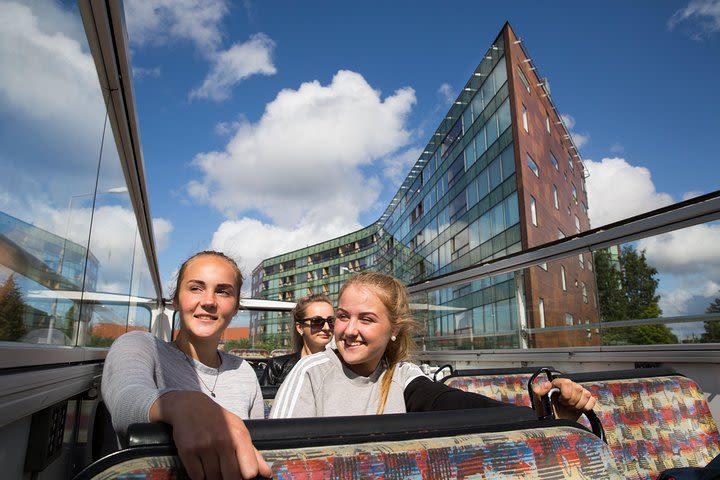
column 370, row 372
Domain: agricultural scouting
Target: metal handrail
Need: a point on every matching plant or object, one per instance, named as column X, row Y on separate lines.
column 691, row 212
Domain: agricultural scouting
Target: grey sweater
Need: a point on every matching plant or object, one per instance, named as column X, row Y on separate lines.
column 140, row 368
column 321, row 386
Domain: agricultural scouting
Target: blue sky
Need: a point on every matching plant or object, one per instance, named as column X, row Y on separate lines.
column 268, row 126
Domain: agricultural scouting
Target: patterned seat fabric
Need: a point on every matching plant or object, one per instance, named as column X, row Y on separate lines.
column 552, row 452
column 549, row 453
column 508, row 388
column 653, row 424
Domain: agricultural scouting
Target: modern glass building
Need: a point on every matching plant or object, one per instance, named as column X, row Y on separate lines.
column 500, row 175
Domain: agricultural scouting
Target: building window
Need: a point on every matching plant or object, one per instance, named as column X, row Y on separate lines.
column 541, row 312
column 533, row 211
column 525, row 118
column 547, row 122
column 555, row 198
column 570, row 163
column 577, row 224
column 568, row 319
column 554, row 162
column 574, row 193
column 581, row 261
column 543, row 266
column 584, row 292
column 562, row 278
column 560, row 234
column 533, row 166
column 524, row 80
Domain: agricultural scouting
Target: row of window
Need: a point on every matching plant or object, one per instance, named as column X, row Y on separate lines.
column 487, row 91
column 319, row 257
column 569, row 318
column 489, row 133
column 496, row 317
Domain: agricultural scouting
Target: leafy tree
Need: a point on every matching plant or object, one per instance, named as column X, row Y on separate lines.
column 639, row 285
column 270, row 343
column 611, row 299
column 628, row 291
column 712, row 327
column 12, row 308
column 242, row 343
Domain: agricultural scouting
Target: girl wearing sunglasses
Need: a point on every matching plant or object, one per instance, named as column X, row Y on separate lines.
column 313, row 318
column 369, row 373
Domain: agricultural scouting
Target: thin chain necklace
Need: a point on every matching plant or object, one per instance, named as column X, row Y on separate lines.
column 192, row 365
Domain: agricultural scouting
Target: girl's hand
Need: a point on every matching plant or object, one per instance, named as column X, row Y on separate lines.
column 212, row 442
column 572, row 400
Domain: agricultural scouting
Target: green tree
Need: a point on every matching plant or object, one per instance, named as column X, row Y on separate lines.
column 12, row 308
column 270, row 343
column 611, row 299
column 712, row 327
column 242, row 343
column 627, row 290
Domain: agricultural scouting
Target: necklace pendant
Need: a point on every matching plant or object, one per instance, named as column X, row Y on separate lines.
column 212, row 394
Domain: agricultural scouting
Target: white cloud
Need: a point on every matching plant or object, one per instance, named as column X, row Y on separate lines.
column 162, row 228
column 687, row 260
column 447, row 93
column 687, row 251
column 227, row 128
column 140, row 72
column 691, row 194
column 618, row 190
column 160, row 22
column 617, row 148
column 580, row 139
column 157, row 22
column 568, row 120
column 48, row 80
column 249, row 241
column 692, row 297
column 396, row 167
column 306, row 156
column 702, row 15
column 51, row 108
column 234, row 65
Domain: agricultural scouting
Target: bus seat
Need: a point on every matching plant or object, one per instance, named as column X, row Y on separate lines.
column 654, row 419
column 507, row 385
column 268, row 393
column 450, row 444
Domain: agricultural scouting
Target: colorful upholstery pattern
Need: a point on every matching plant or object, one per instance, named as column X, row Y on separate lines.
column 145, row 468
column 550, row 453
column 653, row 424
column 509, row 388
column 267, row 405
column 558, row 452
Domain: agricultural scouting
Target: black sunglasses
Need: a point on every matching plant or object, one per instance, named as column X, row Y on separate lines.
column 317, row 323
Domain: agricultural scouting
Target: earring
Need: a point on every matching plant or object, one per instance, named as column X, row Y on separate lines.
column 393, row 338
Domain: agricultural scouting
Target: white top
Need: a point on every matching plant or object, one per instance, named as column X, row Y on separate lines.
column 320, row 385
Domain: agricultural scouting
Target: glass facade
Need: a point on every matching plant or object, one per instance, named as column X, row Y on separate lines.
column 461, row 205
